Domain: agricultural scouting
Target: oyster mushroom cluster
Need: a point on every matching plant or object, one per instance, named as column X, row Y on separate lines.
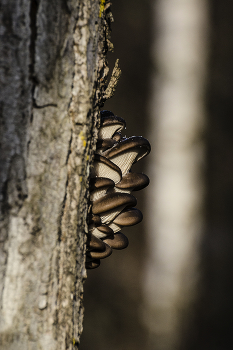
column 111, row 185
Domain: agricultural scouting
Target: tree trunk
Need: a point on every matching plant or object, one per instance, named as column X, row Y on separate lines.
column 176, row 198
column 53, row 75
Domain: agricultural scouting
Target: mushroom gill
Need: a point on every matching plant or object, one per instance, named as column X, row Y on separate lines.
column 127, row 152
column 111, row 184
column 103, row 167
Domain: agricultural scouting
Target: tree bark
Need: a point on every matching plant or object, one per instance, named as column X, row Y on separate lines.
column 53, row 75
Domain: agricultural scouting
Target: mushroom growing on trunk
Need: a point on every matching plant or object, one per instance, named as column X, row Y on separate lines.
column 111, row 185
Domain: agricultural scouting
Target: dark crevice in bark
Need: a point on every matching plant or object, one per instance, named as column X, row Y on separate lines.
column 33, row 26
column 69, row 149
column 4, row 205
column 63, row 206
column 44, row 106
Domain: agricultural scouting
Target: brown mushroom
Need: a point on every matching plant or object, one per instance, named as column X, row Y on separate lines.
column 110, row 215
column 99, row 186
column 102, row 145
column 133, row 182
column 100, row 255
column 110, row 124
column 118, row 241
column 101, row 231
column 94, row 243
column 111, row 201
column 128, row 217
column 117, row 136
column 93, row 264
column 105, row 229
column 127, row 152
column 100, row 182
column 103, row 167
column 110, row 188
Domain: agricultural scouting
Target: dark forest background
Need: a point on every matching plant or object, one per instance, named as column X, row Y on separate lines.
column 113, row 297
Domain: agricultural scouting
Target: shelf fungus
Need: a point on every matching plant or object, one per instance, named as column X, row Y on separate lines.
column 111, row 184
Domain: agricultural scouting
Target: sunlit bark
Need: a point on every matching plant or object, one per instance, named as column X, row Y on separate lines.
column 51, row 56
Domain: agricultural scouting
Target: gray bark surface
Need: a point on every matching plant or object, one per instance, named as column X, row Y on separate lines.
column 53, row 75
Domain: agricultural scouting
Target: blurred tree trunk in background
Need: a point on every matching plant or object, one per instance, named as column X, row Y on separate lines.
column 175, row 204
column 50, row 60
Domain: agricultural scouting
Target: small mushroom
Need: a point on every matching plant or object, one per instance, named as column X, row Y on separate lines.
column 110, row 215
column 94, row 243
column 105, row 229
column 127, row 152
column 104, row 144
column 100, row 255
column 93, row 264
column 110, row 124
column 118, row 241
column 103, row 167
column 133, row 182
column 111, row 201
column 128, row 217
column 99, row 186
column 117, row 136
column 101, row 231
column 100, row 182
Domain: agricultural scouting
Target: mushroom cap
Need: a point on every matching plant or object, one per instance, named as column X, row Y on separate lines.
column 128, row 217
column 101, row 231
column 95, row 243
column 133, row 182
column 118, row 241
column 92, row 264
column 103, row 167
column 108, row 118
column 127, row 152
column 117, row 136
column 100, row 182
column 99, row 186
column 100, row 255
column 103, row 144
column 111, row 201
column 110, row 124
column 105, row 229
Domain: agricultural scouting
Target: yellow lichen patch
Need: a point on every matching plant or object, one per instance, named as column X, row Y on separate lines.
column 82, row 137
column 87, row 158
column 102, row 2
column 80, row 178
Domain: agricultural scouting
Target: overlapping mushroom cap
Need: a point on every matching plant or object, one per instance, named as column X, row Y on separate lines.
column 111, row 185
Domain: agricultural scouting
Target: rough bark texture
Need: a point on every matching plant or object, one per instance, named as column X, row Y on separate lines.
column 53, row 74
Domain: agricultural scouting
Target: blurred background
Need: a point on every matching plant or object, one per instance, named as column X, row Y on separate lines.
column 172, row 288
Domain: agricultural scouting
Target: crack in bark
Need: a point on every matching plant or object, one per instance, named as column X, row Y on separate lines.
column 44, row 106
column 32, row 49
